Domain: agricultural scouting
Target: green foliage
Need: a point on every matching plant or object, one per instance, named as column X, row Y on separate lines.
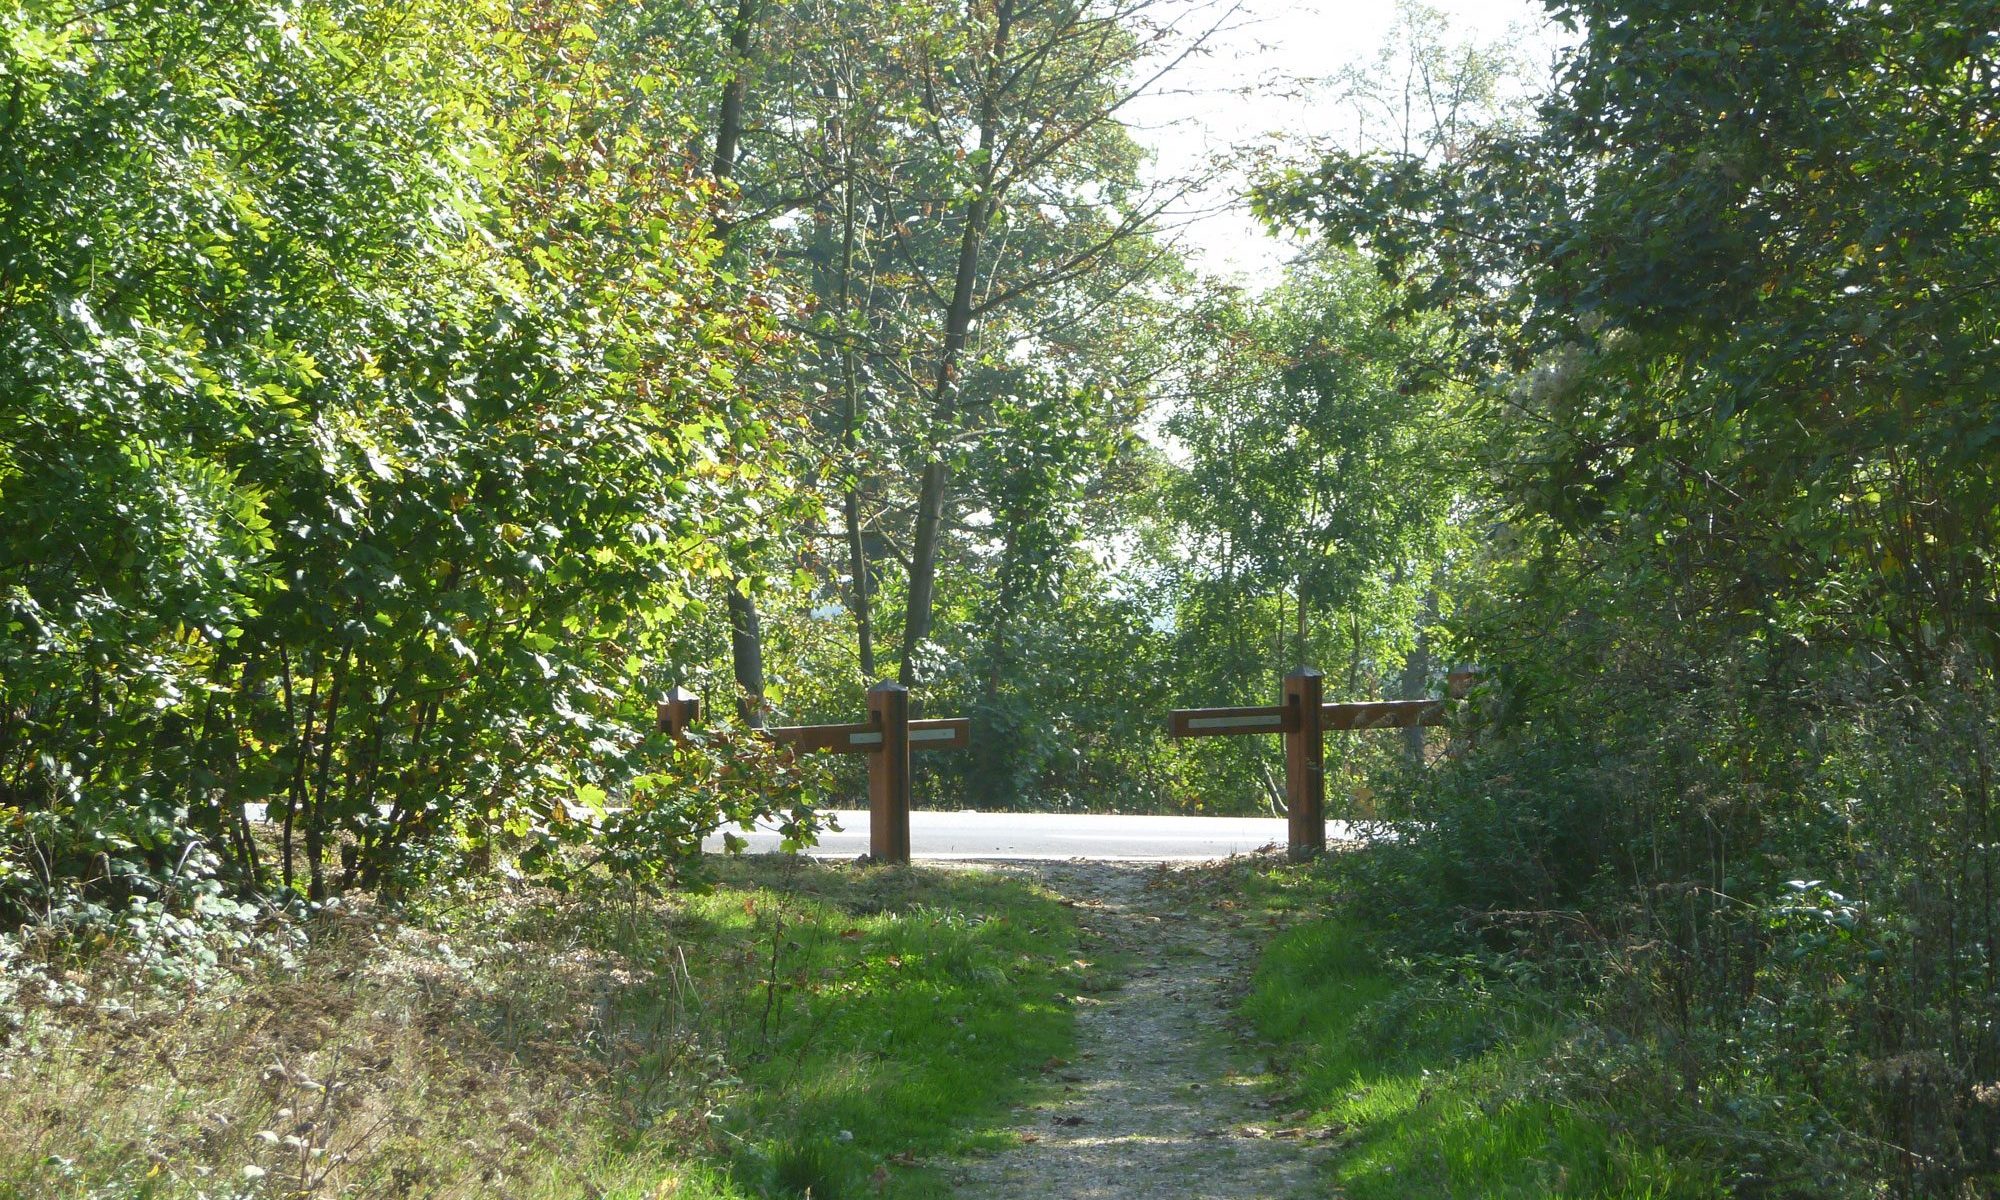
column 371, row 432
column 1318, row 444
column 1728, row 295
column 1311, row 515
column 1734, row 353
column 779, row 1032
column 1433, row 1073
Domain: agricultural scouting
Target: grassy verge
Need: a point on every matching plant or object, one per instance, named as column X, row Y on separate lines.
column 1435, row 1076
column 800, row 1028
column 919, row 1003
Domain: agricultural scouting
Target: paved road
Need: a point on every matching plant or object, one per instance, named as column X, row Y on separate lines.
column 1054, row 836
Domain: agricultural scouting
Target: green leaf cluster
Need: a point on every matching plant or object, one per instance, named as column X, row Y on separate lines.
column 1728, row 301
column 370, row 430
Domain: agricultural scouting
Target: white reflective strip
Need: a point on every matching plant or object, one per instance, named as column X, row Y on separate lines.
column 932, row 735
column 864, row 739
column 1235, row 722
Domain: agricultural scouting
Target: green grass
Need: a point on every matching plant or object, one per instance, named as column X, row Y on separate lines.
column 1433, row 1078
column 912, row 1005
column 800, row 1029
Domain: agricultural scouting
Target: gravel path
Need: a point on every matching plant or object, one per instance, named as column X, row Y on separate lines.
column 1164, row 1099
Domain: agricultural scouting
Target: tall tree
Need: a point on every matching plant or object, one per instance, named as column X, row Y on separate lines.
column 370, row 414
column 1023, row 119
column 746, row 637
column 1323, row 460
column 1731, row 304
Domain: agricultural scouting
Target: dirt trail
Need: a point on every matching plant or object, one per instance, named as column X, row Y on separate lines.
column 1163, row 1100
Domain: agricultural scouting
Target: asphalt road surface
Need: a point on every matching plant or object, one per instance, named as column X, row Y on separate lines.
column 950, row 835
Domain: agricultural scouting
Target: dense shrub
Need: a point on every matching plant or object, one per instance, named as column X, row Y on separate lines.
column 1773, row 919
column 1729, row 297
column 369, row 434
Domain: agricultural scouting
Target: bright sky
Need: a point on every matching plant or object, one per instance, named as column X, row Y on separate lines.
column 1254, row 88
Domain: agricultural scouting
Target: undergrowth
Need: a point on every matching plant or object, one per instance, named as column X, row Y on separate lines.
column 799, row 1029
column 1440, row 1076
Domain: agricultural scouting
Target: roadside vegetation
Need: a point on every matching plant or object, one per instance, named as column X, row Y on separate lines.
column 1727, row 795
column 397, row 397
column 1434, row 1075
column 798, row 1029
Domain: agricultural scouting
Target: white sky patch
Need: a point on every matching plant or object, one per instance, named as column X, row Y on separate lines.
column 1253, row 93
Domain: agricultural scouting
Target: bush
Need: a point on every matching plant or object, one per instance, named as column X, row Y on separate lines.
column 1771, row 920
column 371, row 433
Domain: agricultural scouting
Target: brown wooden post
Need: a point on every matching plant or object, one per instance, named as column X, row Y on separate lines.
column 1305, row 763
column 889, row 774
column 679, row 710
column 1458, row 684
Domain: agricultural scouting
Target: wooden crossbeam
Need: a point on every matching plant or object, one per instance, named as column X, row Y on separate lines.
column 888, row 737
column 1277, row 718
column 941, row 733
column 1382, row 714
column 859, row 737
column 855, row 737
column 1231, row 722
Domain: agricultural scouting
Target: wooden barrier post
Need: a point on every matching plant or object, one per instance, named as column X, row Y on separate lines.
column 1458, row 683
column 1305, row 764
column 887, row 737
column 1303, row 717
column 679, row 710
column 889, row 774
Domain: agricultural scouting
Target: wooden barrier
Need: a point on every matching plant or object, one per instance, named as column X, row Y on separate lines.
column 679, row 710
column 888, row 737
column 1301, row 718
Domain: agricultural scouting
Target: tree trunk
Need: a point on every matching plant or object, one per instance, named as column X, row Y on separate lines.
column 857, row 547
column 1354, row 653
column 729, row 122
column 746, row 636
column 1417, row 673
column 746, row 655
column 934, row 492
column 857, row 558
column 1303, row 658
column 996, row 639
column 1278, row 635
